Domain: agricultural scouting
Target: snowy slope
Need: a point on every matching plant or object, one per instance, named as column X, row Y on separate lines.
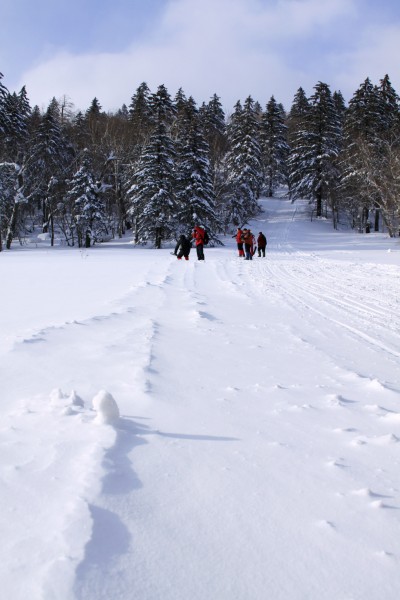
column 256, row 455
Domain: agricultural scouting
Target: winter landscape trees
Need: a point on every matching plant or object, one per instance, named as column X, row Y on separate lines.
column 162, row 164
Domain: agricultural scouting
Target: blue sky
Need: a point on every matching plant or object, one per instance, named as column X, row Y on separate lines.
column 233, row 48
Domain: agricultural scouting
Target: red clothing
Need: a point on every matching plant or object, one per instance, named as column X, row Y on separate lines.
column 248, row 238
column 239, row 236
column 198, row 235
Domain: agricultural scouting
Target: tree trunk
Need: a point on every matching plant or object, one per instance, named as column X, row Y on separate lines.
column 11, row 226
column 158, row 237
column 52, row 229
column 45, row 227
column 376, row 225
column 319, row 204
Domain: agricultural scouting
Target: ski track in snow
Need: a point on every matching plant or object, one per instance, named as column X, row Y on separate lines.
column 301, row 442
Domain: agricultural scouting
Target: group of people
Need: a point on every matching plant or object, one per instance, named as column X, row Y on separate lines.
column 247, row 244
column 245, row 239
column 184, row 244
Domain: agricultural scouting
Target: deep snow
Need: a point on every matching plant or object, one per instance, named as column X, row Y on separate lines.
column 255, row 456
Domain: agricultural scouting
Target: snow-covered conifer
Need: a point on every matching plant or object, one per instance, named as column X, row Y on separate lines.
column 86, row 204
column 195, row 194
column 313, row 168
column 244, row 162
column 152, row 200
column 274, row 146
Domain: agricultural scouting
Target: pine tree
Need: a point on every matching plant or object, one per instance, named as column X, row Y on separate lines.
column 389, row 105
column 371, row 156
column 49, row 161
column 274, row 146
column 340, row 105
column 80, row 132
column 95, row 125
column 3, row 117
column 151, row 196
column 298, row 116
column 363, row 122
column 34, row 121
column 18, row 114
column 140, row 118
column 244, row 162
column 212, row 117
column 313, row 168
column 195, row 195
column 84, row 199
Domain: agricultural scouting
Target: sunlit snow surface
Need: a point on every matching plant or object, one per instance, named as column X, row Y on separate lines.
column 250, row 449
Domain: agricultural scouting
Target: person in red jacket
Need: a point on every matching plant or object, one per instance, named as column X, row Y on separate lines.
column 239, row 240
column 198, row 236
column 248, row 239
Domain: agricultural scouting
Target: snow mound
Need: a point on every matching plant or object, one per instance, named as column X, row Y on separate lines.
column 106, row 408
column 75, row 400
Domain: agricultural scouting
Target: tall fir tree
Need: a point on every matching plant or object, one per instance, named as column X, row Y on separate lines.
column 50, row 160
column 274, row 146
column 18, row 113
column 195, row 194
column 362, row 126
column 84, row 201
column 3, row 117
column 313, row 165
column 140, row 118
column 152, row 198
column 244, row 162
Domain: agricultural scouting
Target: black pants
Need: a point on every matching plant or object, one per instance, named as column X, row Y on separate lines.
column 261, row 250
column 200, row 251
column 182, row 253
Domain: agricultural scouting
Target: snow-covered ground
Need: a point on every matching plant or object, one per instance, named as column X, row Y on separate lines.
column 256, row 455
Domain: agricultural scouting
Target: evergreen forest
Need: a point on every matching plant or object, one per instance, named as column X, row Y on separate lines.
column 161, row 164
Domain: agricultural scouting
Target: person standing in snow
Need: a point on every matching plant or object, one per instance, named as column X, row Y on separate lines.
column 198, row 236
column 183, row 248
column 261, row 243
column 239, row 240
column 248, row 239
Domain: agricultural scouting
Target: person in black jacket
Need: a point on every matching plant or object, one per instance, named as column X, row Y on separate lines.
column 261, row 243
column 183, row 248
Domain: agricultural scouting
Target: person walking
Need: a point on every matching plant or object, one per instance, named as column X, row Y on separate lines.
column 248, row 239
column 261, row 244
column 239, row 240
column 183, row 247
column 198, row 236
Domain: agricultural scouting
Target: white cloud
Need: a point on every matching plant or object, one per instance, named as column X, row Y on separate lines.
column 230, row 47
column 376, row 55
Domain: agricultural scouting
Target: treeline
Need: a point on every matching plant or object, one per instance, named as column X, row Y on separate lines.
column 161, row 164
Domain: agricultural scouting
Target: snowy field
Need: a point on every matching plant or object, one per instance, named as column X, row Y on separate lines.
column 256, row 455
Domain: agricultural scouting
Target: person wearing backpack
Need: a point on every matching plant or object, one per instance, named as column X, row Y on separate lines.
column 183, row 248
column 198, row 236
column 261, row 244
column 248, row 239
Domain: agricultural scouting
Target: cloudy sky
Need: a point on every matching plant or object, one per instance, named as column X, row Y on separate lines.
column 234, row 48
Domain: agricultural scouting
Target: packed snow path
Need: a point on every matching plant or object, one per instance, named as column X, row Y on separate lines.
column 256, row 456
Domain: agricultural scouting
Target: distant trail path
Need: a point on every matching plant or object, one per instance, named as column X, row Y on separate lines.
column 340, row 291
